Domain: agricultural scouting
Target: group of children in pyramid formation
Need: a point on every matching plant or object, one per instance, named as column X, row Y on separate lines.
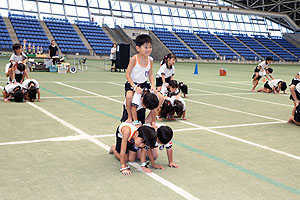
column 19, row 86
column 138, row 136
column 273, row 85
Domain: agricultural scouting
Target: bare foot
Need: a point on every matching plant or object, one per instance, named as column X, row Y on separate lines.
column 129, row 121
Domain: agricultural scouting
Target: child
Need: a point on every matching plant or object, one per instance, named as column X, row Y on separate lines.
column 179, row 106
column 183, row 88
column 30, row 88
column 164, row 138
column 274, row 86
column 138, row 71
column 261, row 68
column 16, row 73
column 140, row 103
column 166, row 71
column 17, row 57
column 294, row 97
column 128, row 139
column 13, row 90
column 295, row 118
column 113, row 57
column 147, row 100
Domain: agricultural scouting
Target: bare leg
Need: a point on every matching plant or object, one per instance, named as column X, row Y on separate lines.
column 129, row 95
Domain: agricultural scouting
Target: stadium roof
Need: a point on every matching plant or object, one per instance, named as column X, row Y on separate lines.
column 288, row 7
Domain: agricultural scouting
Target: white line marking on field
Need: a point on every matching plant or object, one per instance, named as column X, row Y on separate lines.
column 228, row 126
column 233, row 110
column 161, row 180
column 80, row 97
column 232, row 93
column 242, row 140
column 105, row 97
column 57, row 139
column 203, row 91
column 116, row 84
column 220, row 86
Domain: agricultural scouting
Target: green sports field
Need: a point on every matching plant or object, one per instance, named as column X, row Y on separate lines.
column 235, row 145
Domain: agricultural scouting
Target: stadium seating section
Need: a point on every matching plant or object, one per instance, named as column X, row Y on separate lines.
column 29, row 28
column 5, row 40
column 66, row 37
column 173, row 43
column 96, row 37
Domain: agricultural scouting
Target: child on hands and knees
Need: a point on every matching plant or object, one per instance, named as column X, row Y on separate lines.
column 130, row 138
column 164, row 139
column 295, row 118
column 13, row 90
column 274, row 86
column 139, row 71
column 295, row 96
column 30, row 89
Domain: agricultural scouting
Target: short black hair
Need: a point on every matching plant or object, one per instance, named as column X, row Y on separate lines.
column 21, row 67
column 270, row 70
column 173, row 84
column 283, row 86
column 150, row 100
column 269, row 58
column 148, row 134
column 178, row 107
column 18, row 96
column 166, row 109
column 164, row 134
column 32, row 93
column 142, row 39
column 16, row 46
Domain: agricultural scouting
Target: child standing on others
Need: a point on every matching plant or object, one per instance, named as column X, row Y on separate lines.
column 166, row 71
column 263, row 66
column 139, row 70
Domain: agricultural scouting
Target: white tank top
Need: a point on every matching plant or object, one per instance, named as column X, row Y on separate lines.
column 139, row 74
column 132, row 128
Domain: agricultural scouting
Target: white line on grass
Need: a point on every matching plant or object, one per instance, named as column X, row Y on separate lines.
column 233, row 110
column 236, row 138
column 244, row 141
column 161, row 180
column 57, row 139
column 220, row 86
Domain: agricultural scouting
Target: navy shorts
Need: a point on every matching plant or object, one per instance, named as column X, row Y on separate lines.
column 258, row 77
column 267, row 86
column 159, row 81
column 294, row 82
column 141, row 85
column 141, row 114
column 130, row 146
column 297, row 94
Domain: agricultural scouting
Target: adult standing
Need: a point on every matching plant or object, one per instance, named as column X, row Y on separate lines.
column 53, row 51
column 113, row 57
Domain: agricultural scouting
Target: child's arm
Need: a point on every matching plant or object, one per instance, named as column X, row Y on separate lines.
column 24, row 74
column 143, row 161
column 151, row 79
column 124, row 168
column 154, row 165
column 293, row 93
column 4, row 96
column 163, row 78
column 271, row 77
column 170, row 158
column 39, row 95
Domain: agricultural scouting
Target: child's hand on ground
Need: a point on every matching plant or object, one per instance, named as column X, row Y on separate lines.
column 147, row 170
column 173, row 165
column 158, row 167
column 5, row 100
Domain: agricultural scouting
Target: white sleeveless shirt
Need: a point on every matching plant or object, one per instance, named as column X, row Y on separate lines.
column 132, row 128
column 139, row 74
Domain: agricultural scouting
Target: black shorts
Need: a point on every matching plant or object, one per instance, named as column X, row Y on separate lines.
column 258, row 77
column 141, row 114
column 18, row 77
column 297, row 114
column 297, row 94
column 294, row 82
column 256, row 69
column 141, row 85
column 130, row 146
column 267, row 86
column 159, row 81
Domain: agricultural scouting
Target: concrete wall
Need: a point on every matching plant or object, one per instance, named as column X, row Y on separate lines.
column 292, row 38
